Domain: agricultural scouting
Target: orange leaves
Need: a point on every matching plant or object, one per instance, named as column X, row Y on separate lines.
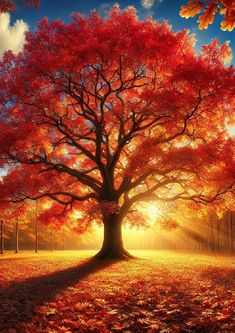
column 208, row 16
column 229, row 21
column 219, row 54
column 169, row 224
column 195, row 7
column 208, row 9
column 191, row 9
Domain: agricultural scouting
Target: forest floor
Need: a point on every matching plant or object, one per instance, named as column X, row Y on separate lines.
column 167, row 292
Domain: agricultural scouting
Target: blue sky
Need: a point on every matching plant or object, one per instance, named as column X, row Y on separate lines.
column 161, row 9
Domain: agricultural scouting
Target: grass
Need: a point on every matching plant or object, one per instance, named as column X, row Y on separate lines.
column 158, row 292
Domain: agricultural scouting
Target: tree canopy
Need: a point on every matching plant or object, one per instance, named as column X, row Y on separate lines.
column 106, row 113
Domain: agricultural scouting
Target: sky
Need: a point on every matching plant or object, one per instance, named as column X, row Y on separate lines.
column 159, row 9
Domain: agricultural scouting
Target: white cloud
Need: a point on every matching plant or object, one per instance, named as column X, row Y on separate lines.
column 11, row 37
column 148, row 4
column 105, row 8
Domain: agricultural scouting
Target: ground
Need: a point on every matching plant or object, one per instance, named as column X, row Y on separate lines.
column 160, row 291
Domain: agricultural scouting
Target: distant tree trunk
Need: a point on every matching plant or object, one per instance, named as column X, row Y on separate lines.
column 51, row 240
column 231, row 231
column 212, row 233
column 63, row 245
column 112, row 247
column 218, row 236
column 17, row 236
column 227, row 231
column 1, row 237
column 36, row 228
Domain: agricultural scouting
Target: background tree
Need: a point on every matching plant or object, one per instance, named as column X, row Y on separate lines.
column 208, row 10
column 1, row 236
column 3, row 217
column 118, row 112
column 36, row 228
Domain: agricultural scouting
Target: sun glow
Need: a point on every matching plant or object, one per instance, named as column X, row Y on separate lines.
column 231, row 130
column 151, row 212
column 47, row 205
column 77, row 214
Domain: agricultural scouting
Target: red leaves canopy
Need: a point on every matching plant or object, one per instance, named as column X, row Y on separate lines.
column 114, row 111
column 10, row 5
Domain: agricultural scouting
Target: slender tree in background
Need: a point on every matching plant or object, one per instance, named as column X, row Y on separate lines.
column 12, row 5
column 17, row 235
column 36, row 228
column 1, row 237
column 51, row 239
column 106, row 113
column 208, row 9
column 232, row 231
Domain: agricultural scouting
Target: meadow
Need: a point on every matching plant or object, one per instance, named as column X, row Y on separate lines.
column 159, row 291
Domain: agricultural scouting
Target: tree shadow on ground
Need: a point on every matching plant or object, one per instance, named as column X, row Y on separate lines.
column 19, row 300
column 224, row 277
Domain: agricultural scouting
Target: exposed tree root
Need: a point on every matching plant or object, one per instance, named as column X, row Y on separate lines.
column 114, row 254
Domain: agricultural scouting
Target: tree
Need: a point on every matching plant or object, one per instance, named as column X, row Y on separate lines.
column 208, row 10
column 106, row 113
column 17, row 235
column 36, row 228
column 1, row 237
column 3, row 216
column 11, row 5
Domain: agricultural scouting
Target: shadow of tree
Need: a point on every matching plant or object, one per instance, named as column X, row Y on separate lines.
column 19, row 300
column 224, row 277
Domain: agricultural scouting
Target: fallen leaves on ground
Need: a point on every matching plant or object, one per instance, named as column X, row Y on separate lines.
column 160, row 291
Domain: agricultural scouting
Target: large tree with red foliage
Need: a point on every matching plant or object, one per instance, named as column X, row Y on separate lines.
column 100, row 114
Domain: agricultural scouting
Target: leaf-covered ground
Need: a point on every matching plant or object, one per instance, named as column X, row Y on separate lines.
column 158, row 292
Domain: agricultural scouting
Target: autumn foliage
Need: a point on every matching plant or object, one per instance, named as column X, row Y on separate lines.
column 208, row 9
column 106, row 113
column 11, row 5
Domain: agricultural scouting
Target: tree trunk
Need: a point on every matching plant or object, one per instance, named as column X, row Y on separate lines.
column 36, row 228
column 227, row 231
column 231, row 231
column 218, row 234
column 1, row 237
column 51, row 240
column 212, row 234
column 17, row 236
column 112, row 247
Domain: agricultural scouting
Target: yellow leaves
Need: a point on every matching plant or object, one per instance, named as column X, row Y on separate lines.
column 208, row 16
column 191, row 9
column 229, row 22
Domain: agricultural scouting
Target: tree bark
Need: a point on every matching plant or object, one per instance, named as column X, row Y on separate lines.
column 112, row 247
